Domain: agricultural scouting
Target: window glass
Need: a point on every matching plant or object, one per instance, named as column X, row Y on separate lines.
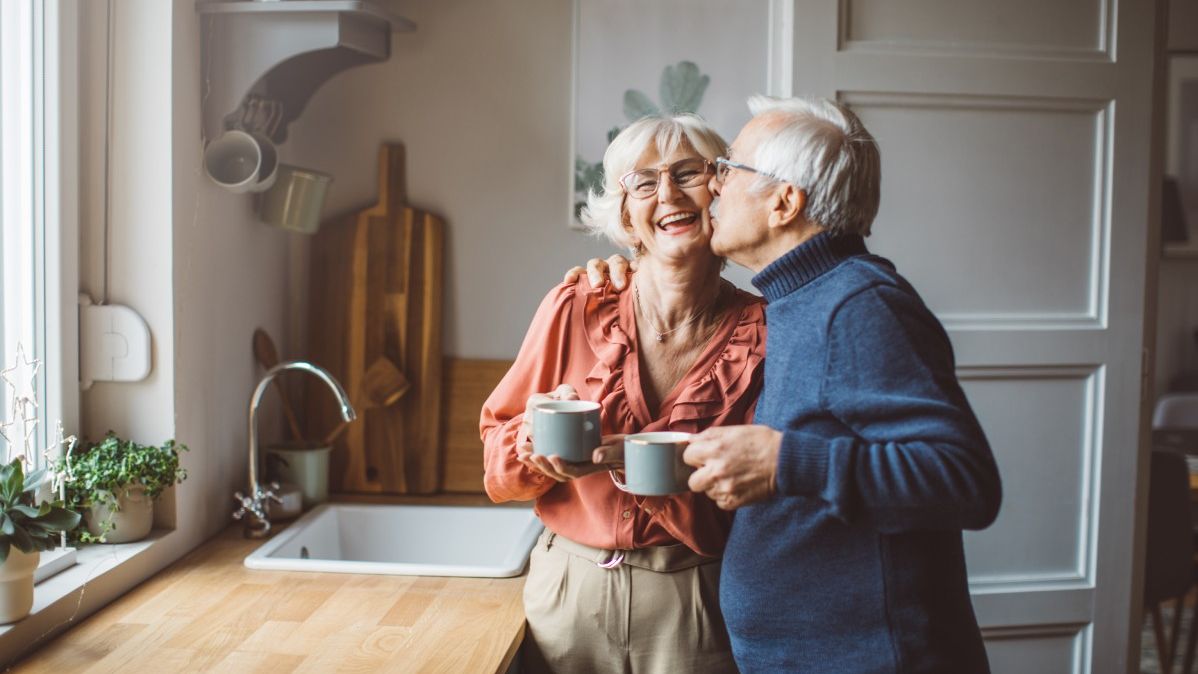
column 23, row 411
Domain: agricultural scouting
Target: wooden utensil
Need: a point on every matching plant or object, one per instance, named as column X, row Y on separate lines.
column 382, row 386
column 376, row 279
column 268, row 356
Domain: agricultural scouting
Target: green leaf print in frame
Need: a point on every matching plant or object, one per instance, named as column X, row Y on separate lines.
column 681, row 90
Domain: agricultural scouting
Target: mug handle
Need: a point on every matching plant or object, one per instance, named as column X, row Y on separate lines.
column 615, row 479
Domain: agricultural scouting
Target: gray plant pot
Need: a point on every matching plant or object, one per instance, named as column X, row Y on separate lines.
column 132, row 521
column 16, row 584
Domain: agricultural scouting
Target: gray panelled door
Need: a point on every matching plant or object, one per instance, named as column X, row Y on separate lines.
column 1015, row 143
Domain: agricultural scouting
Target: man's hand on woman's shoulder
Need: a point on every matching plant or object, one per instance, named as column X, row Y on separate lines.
column 616, row 268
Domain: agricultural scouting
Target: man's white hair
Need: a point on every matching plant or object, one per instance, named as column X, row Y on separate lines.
column 823, row 148
column 604, row 213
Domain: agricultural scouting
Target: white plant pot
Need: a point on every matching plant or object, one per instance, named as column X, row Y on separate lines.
column 132, row 520
column 16, row 584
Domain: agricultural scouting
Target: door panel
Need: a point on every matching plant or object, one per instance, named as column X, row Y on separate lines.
column 1021, row 248
column 1040, row 417
column 1050, row 651
column 1027, row 27
column 1015, row 143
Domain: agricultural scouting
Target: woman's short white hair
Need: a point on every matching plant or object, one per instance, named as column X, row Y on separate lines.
column 604, row 213
column 823, row 148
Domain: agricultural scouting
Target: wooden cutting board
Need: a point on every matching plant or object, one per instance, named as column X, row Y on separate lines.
column 376, row 292
column 467, row 384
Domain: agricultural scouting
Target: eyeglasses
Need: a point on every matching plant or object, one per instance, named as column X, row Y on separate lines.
column 723, row 165
column 643, row 183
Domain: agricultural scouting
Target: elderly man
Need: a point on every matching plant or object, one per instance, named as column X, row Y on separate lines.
column 866, row 462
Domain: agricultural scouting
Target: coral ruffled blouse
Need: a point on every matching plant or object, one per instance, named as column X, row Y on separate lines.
column 587, row 337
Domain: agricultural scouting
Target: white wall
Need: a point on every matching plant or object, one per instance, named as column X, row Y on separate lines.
column 190, row 258
column 230, row 276
column 140, row 204
column 480, row 97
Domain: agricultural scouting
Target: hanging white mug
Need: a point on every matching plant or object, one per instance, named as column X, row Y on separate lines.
column 268, row 169
column 242, row 162
column 233, row 161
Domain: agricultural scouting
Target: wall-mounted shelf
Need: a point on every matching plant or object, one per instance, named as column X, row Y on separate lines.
column 282, row 51
column 1187, row 250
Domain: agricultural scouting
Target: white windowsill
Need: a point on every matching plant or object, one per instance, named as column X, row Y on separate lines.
column 53, row 562
column 92, row 563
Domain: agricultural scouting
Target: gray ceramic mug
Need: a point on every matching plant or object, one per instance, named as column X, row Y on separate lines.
column 653, row 464
column 566, row 428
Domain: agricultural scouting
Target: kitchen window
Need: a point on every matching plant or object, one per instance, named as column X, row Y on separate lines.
column 38, row 229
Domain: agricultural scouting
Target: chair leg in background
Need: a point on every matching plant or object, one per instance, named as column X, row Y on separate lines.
column 1191, row 638
column 1179, row 606
column 1162, row 643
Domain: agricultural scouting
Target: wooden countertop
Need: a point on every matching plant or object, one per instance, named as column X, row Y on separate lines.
column 207, row 612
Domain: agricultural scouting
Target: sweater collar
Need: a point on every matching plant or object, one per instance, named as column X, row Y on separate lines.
column 806, row 262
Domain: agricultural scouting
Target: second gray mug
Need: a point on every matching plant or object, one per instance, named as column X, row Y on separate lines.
column 566, row 428
column 653, row 464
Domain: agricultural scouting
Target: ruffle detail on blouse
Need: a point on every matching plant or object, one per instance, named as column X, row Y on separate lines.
column 600, row 309
column 731, row 374
column 726, row 381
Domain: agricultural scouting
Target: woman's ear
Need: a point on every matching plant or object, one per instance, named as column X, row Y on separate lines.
column 634, row 241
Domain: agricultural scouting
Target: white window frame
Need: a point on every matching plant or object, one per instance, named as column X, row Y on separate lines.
column 39, row 204
column 46, row 199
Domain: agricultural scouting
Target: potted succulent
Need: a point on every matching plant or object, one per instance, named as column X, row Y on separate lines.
column 114, row 483
column 27, row 527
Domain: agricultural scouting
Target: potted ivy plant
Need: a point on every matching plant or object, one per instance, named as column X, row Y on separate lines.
column 27, row 527
column 114, row 484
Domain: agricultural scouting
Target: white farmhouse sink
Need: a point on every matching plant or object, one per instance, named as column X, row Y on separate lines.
column 406, row 540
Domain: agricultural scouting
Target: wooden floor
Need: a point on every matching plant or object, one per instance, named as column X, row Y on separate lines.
column 210, row 613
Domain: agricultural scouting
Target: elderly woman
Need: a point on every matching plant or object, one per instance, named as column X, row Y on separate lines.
column 620, row 582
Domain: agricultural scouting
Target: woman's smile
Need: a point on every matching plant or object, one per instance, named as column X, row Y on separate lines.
column 678, row 222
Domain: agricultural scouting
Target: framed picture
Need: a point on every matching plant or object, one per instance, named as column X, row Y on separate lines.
column 1181, row 153
column 634, row 58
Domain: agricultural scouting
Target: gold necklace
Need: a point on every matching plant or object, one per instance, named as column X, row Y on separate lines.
column 661, row 336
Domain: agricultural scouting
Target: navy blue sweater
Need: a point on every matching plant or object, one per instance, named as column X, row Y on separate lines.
column 856, row 565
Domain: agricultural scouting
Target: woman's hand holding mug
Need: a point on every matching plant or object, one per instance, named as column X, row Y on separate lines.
column 608, row 456
column 563, row 392
column 556, row 467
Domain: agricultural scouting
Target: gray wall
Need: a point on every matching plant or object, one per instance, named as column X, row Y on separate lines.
column 1177, row 308
column 480, row 97
column 1183, row 25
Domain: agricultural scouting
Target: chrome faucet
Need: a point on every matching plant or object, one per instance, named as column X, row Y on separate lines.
column 255, row 509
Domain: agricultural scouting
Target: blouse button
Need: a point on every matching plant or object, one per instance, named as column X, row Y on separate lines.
column 627, row 514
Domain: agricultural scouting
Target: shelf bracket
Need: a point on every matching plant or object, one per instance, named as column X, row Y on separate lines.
column 281, row 52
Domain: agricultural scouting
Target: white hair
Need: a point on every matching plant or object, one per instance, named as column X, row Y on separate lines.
column 604, row 213
column 823, row 148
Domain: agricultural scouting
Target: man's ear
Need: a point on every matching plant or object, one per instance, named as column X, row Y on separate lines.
column 786, row 204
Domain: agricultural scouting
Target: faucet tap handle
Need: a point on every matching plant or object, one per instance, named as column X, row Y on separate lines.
column 246, row 505
column 269, row 493
column 251, row 506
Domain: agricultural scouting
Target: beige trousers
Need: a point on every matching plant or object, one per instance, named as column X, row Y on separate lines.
column 655, row 612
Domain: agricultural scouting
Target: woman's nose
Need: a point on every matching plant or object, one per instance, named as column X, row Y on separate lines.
column 667, row 191
column 714, row 185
